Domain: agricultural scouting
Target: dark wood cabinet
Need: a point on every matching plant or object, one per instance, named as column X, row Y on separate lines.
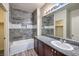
column 48, row 51
column 36, row 45
column 40, row 48
column 43, row 49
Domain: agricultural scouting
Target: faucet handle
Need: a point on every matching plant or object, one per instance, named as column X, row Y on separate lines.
column 64, row 41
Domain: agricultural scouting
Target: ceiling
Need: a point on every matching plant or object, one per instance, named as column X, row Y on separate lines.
column 28, row 7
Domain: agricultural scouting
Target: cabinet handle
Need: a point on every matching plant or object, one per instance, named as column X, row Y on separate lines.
column 54, row 51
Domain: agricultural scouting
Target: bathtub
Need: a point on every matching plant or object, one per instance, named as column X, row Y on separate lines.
column 21, row 45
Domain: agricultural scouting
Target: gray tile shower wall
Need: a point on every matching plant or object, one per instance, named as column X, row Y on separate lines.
column 27, row 20
column 15, row 34
column 20, row 34
column 27, row 33
column 47, row 25
column 18, row 16
column 34, row 22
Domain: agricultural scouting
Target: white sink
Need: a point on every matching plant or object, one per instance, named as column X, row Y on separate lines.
column 64, row 46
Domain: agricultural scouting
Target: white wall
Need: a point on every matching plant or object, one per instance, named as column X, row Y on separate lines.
column 68, row 25
column 74, row 15
column 61, row 15
column 39, row 23
column 6, row 41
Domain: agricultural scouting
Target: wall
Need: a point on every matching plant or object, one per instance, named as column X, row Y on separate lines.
column 6, row 41
column 2, row 18
column 61, row 15
column 17, row 34
column 34, row 22
column 74, row 16
column 1, row 36
column 39, row 24
column 23, row 19
column 22, row 30
column 2, row 14
column 47, row 25
column 68, row 27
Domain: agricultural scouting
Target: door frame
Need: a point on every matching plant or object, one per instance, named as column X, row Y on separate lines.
column 5, row 6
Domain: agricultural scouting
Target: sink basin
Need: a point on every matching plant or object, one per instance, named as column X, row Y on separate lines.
column 64, row 46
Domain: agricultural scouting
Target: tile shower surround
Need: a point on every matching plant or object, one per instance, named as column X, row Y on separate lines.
column 25, row 19
column 48, row 21
column 20, row 34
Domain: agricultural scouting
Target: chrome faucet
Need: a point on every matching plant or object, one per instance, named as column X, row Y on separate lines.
column 62, row 40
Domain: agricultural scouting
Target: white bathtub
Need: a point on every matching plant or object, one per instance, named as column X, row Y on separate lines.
column 21, row 45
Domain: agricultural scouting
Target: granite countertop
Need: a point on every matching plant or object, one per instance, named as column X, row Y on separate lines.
column 47, row 41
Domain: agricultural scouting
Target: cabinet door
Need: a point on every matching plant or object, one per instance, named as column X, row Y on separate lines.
column 59, row 54
column 48, row 51
column 40, row 48
column 36, row 45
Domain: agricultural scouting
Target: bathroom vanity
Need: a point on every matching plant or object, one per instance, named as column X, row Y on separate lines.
column 43, row 47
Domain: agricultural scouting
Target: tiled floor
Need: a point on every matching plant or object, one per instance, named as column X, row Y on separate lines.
column 30, row 52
